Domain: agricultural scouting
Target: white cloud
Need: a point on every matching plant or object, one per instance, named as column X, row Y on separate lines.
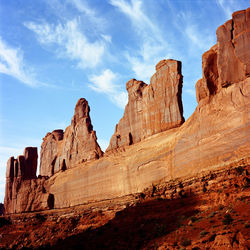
column 152, row 46
column 12, row 64
column 143, row 69
column 226, row 7
column 89, row 12
column 191, row 92
column 139, row 19
column 107, row 38
column 198, row 38
column 103, row 144
column 72, row 42
column 105, row 83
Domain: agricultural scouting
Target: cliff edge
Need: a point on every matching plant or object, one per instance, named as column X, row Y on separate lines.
column 154, row 147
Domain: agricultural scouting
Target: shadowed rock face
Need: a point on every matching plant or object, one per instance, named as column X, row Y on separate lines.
column 151, row 108
column 49, row 153
column 60, row 151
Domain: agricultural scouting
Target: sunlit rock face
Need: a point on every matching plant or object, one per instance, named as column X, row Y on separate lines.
column 63, row 150
column 23, row 191
column 228, row 62
column 151, row 108
column 215, row 136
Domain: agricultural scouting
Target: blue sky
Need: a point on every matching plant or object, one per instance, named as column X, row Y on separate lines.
column 52, row 52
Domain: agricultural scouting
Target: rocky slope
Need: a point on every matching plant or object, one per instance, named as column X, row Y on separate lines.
column 149, row 145
column 206, row 211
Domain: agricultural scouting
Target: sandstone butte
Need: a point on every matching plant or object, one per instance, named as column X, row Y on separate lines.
column 151, row 143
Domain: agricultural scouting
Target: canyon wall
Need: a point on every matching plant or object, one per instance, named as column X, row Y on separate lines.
column 23, row 191
column 154, row 146
column 151, row 108
column 219, row 130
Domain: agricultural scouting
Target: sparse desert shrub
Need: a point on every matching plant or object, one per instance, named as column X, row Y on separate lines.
column 239, row 170
column 227, row 219
column 160, row 229
column 220, row 207
column 212, row 237
column 203, row 233
column 211, row 215
column 40, row 217
column 246, row 225
column 185, row 242
column 194, row 218
column 142, row 195
column 4, row 221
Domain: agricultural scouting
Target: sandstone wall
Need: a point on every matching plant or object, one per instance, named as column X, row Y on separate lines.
column 216, row 135
column 63, row 150
column 228, row 62
column 23, row 191
column 151, row 108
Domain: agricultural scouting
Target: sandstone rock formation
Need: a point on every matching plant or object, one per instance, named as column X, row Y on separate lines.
column 23, row 192
column 61, row 151
column 49, row 164
column 151, row 108
column 228, row 62
column 216, row 135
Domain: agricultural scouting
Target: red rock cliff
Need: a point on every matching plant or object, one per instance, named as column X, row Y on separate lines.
column 151, row 108
column 61, row 151
column 23, row 191
column 228, row 62
column 216, row 135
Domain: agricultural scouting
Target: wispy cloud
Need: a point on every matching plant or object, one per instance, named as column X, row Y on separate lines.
column 198, row 38
column 73, row 43
column 143, row 69
column 191, row 92
column 12, row 64
column 227, row 7
column 103, row 144
column 90, row 13
column 152, row 45
column 105, row 83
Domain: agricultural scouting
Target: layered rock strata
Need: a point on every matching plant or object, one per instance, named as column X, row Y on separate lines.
column 228, row 62
column 151, row 108
column 23, row 191
column 216, row 135
column 63, row 150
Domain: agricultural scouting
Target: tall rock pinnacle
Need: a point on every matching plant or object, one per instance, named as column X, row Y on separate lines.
column 151, row 108
column 62, row 150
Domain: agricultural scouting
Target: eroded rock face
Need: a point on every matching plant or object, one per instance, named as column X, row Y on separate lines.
column 23, row 191
column 215, row 136
column 49, row 153
column 60, row 151
column 228, row 62
column 151, row 108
